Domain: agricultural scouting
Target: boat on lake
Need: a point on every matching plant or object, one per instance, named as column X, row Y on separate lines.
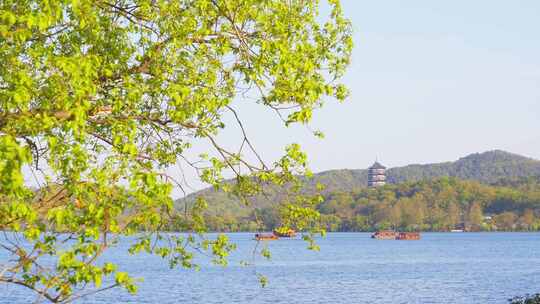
column 384, row 235
column 266, row 237
column 395, row 235
column 408, row 236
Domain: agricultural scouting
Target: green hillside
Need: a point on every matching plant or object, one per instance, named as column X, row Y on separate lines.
column 488, row 167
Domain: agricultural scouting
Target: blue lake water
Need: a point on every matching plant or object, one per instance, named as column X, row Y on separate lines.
column 349, row 268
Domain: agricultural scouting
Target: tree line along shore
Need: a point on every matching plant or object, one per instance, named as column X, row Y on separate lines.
column 440, row 204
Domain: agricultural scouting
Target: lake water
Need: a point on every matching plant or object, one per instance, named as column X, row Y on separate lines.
column 350, row 268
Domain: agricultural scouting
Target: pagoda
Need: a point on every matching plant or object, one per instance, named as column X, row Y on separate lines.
column 376, row 175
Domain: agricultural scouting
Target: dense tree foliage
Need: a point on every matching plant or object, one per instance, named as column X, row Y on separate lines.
column 440, row 204
column 99, row 98
column 436, row 205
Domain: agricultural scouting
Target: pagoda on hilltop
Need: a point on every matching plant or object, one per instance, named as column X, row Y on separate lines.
column 376, row 175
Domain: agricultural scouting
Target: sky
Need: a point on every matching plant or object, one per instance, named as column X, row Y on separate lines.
column 430, row 81
column 434, row 81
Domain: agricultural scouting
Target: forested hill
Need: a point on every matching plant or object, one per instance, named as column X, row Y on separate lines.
column 488, row 167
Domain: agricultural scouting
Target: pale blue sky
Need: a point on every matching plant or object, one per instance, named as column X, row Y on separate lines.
column 441, row 79
column 430, row 81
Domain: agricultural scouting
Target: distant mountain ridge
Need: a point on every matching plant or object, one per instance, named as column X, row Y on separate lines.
column 488, row 167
